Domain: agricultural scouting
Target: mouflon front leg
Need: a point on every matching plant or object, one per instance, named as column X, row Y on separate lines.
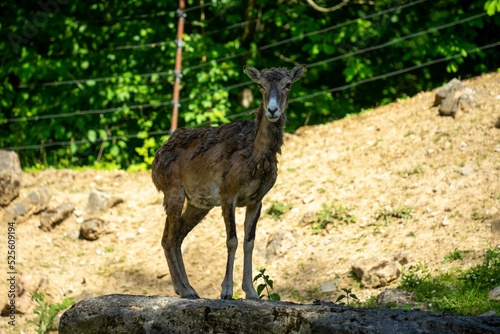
column 251, row 217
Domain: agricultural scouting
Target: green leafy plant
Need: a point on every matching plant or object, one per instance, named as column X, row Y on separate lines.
column 332, row 214
column 266, row 286
column 277, row 209
column 46, row 312
column 347, row 296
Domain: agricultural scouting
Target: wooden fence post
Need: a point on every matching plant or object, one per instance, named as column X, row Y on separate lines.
column 178, row 60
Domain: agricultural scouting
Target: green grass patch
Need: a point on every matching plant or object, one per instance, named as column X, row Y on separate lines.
column 333, row 213
column 277, row 209
column 460, row 291
column 46, row 313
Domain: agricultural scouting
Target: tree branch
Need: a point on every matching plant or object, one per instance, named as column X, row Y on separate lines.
column 327, row 10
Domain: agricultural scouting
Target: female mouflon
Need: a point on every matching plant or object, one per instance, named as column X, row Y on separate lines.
column 233, row 165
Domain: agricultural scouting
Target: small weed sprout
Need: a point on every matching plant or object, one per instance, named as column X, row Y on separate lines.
column 347, row 296
column 453, row 256
column 46, row 312
column 411, row 172
column 387, row 215
column 331, row 214
column 277, row 209
column 267, row 285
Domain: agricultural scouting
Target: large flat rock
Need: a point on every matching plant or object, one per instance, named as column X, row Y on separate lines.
column 155, row 314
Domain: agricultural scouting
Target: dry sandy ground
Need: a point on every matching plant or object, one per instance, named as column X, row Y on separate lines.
column 400, row 155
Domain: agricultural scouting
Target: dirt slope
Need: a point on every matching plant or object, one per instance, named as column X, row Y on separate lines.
column 402, row 155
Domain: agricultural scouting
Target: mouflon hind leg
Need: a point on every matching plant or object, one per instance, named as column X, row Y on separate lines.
column 177, row 226
column 232, row 245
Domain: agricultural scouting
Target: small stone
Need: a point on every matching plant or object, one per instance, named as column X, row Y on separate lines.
column 445, row 221
column 395, row 297
column 375, row 273
column 279, row 244
column 308, row 199
column 466, row 170
column 494, row 294
column 99, row 201
column 91, row 229
column 24, row 305
column 73, row 234
column 495, row 227
column 330, row 286
column 487, row 314
column 80, row 220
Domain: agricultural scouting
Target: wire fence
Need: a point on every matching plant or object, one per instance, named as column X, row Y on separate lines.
column 235, row 116
column 225, row 58
column 243, row 84
column 163, row 103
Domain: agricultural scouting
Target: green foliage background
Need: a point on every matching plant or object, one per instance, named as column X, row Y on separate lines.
column 90, row 82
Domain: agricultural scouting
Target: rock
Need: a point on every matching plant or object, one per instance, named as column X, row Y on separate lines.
column 99, row 201
column 452, row 97
column 376, row 272
column 32, row 204
column 279, row 244
column 494, row 294
column 495, row 227
column 51, row 218
column 24, row 305
column 73, row 234
column 488, row 313
column 156, row 314
column 495, row 232
column 330, row 286
column 445, row 221
column 308, row 199
column 444, row 91
column 10, row 176
column 91, row 229
column 395, row 298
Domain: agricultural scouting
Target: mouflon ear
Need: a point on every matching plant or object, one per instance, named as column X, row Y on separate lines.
column 252, row 72
column 297, row 72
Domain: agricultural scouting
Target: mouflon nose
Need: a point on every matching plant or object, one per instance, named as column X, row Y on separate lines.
column 272, row 109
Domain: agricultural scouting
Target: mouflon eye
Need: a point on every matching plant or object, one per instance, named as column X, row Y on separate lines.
column 260, row 86
column 287, row 86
